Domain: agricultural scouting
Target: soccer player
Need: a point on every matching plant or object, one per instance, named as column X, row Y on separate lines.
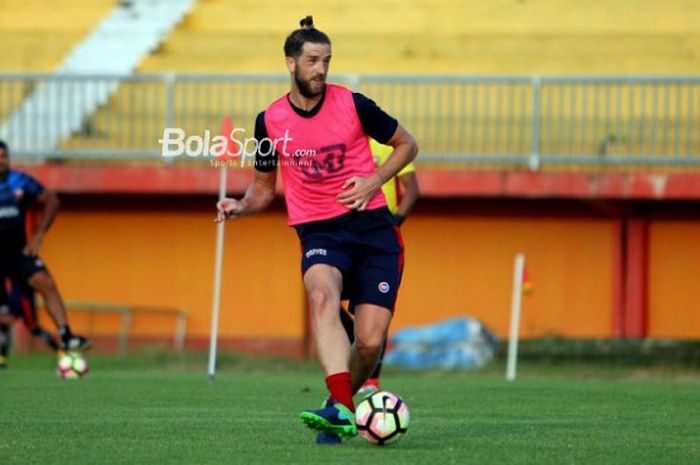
column 318, row 135
column 19, row 260
column 401, row 194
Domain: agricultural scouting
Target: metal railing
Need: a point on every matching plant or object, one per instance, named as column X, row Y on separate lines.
column 457, row 119
column 127, row 313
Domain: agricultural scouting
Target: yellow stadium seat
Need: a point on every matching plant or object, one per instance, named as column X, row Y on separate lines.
column 38, row 34
column 450, row 36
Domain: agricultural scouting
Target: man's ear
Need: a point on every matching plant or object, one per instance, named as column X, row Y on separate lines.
column 291, row 64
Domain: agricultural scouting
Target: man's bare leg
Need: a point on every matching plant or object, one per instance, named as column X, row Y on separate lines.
column 371, row 326
column 323, row 286
column 45, row 285
column 336, row 419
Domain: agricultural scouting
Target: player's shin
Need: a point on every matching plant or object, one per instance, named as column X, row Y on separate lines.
column 371, row 325
column 332, row 342
column 333, row 354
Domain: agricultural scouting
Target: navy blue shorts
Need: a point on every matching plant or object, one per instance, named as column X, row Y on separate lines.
column 365, row 246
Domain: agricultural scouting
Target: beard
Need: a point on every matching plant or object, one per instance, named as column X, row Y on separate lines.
column 305, row 86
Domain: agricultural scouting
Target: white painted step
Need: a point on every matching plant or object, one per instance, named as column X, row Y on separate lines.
column 57, row 108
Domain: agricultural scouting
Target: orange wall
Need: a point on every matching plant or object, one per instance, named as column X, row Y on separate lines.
column 464, row 266
column 455, row 265
column 153, row 258
column 674, row 274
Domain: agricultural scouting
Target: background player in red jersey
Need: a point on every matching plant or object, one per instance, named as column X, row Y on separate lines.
column 318, row 135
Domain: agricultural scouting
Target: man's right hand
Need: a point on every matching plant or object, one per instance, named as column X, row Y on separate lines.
column 229, row 209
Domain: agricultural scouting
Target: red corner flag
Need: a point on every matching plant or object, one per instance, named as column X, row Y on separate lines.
column 527, row 285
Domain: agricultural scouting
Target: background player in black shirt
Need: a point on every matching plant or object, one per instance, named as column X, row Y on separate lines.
column 19, row 260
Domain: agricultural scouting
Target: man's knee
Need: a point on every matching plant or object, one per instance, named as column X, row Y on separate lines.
column 321, row 300
column 42, row 282
column 370, row 344
column 322, row 284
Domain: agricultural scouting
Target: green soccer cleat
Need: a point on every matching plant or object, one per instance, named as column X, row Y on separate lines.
column 336, row 418
column 327, row 439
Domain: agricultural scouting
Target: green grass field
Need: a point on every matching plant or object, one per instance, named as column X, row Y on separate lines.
column 162, row 409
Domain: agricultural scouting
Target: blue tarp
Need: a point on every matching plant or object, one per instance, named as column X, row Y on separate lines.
column 460, row 343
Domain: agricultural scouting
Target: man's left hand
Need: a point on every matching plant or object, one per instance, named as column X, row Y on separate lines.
column 33, row 246
column 362, row 191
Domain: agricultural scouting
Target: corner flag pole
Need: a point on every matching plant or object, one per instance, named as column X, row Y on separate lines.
column 218, row 263
column 226, row 130
column 515, row 307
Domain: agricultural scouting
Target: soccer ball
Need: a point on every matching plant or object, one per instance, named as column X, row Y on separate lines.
column 382, row 418
column 71, row 365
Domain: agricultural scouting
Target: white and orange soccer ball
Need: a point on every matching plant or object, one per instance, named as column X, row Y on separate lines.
column 382, row 418
column 71, row 365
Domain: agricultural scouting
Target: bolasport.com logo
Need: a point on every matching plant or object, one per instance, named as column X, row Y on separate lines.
column 236, row 150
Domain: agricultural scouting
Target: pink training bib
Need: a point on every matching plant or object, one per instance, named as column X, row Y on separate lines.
column 319, row 153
